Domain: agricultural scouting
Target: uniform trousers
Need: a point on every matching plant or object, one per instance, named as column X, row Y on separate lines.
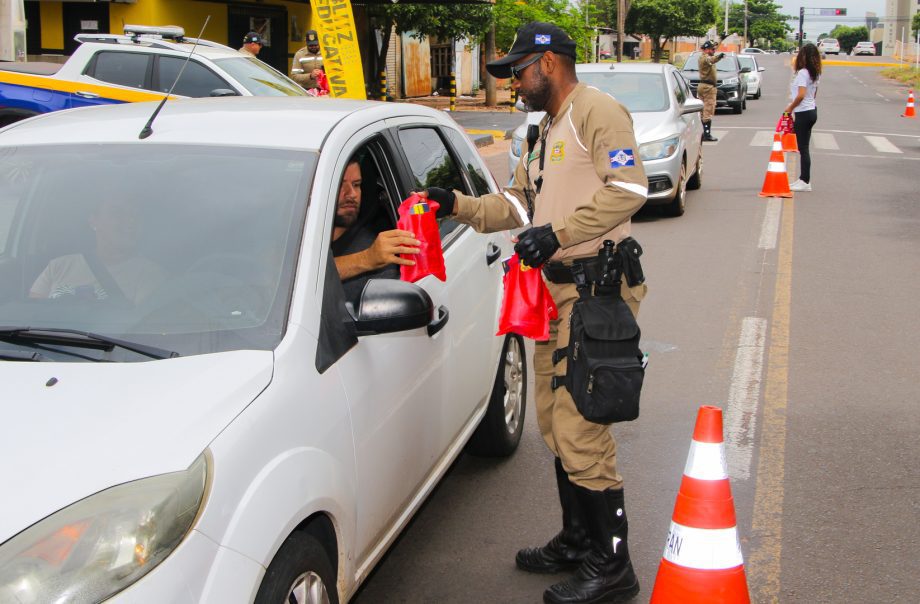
column 587, row 450
column 707, row 94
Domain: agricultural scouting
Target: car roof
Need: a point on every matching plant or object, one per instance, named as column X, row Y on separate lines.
column 275, row 122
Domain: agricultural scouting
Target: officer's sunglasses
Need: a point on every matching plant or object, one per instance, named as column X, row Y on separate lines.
column 516, row 70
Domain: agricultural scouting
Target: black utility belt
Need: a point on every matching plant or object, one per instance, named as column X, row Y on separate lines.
column 709, row 83
column 557, row 272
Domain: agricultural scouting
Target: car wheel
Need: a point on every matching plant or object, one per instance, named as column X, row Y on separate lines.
column 696, row 181
column 300, row 573
column 744, row 103
column 679, row 203
column 500, row 430
column 757, row 96
column 737, row 108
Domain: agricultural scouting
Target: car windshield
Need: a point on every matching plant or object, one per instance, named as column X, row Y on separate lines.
column 639, row 92
column 187, row 248
column 747, row 62
column 726, row 63
column 258, row 78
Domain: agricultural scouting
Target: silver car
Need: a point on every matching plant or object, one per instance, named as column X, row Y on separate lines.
column 753, row 77
column 666, row 117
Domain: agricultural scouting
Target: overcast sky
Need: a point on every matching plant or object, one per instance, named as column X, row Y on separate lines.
column 856, row 12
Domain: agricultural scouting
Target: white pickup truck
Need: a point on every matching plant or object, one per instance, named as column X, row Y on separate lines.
column 140, row 65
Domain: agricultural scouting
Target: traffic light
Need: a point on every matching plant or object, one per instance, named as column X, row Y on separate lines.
column 840, row 12
column 796, row 36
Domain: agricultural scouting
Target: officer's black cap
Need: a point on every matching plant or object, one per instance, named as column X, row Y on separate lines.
column 533, row 37
column 311, row 37
column 253, row 38
column 707, row 45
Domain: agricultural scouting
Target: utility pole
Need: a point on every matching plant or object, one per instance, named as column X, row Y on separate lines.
column 621, row 28
column 746, row 43
column 801, row 24
column 728, row 3
column 491, row 94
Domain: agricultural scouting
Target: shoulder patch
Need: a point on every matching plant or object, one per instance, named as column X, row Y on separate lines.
column 621, row 158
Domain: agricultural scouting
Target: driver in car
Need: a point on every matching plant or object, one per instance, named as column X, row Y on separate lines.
column 360, row 252
column 112, row 270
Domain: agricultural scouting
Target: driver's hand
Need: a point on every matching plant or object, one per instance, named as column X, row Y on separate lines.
column 389, row 244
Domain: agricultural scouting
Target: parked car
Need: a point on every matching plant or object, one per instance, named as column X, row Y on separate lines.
column 829, row 46
column 604, row 54
column 140, row 65
column 240, row 432
column 753, row 51
column 731, row 88
column 667, row 123
column 864, row 48
column 752, row 77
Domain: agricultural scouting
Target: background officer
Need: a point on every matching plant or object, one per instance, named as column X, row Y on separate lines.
column 706, row 90
column 252, row 44
column 308, row 62
column 580, row 185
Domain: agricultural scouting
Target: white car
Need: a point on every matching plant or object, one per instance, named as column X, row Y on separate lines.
column 864, row 48
column 753, row 51
column 829, row 46
column 209, row 419
column 752, row 77
column 666, row 121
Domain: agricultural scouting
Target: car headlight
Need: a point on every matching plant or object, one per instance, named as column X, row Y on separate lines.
column 730, row 81
column 659, row 149
column 100, row 545
column 517, row 143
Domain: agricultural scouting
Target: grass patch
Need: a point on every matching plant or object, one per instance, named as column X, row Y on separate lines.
column 905, row 75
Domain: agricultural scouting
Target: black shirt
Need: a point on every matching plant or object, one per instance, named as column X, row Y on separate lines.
column 354, row 241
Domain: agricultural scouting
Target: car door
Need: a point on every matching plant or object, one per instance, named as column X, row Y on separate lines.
column 440, row 156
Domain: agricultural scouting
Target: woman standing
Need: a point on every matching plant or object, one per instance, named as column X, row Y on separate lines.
column 802, row 93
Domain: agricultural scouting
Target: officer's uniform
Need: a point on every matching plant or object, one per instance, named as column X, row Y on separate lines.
column 305, row 62
column 706, row 90
column 593, row 182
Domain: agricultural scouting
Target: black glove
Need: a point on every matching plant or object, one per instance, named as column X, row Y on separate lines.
column 536, row 245
column 445, row 198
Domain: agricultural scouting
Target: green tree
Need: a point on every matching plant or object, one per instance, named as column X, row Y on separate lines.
column 849, row 36
column 766, row 25
column 915, row 23
column 663, row 20
column 509, row 15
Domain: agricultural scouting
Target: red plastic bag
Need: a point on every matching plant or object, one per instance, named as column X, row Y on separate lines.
column 418, row 215
column 785, row 125
column 527, row 306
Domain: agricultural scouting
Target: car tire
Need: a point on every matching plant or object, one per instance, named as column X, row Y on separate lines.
column 737, row 108
column 301, row 572
column 499, row 432
column 696, row 181
column 744, row 103
column 757, row 96
column 679, row 204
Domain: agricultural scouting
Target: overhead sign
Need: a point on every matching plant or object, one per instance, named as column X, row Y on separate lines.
column 335, row 23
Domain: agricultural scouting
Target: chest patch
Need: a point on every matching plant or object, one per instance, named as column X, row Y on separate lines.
column 558, row 152
column 621, row 158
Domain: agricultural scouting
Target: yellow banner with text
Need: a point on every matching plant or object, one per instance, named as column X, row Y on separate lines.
column 335, row 23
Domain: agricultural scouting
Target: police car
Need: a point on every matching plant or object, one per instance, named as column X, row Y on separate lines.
column 209, row 420
column 140, row 65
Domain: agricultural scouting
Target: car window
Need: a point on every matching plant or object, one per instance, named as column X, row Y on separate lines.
column 196, row 81
column 679, row 92
column 432, row 166
column 470, row 160
column 123, row 68
column 748, row 62
column 682, row 83
column 259, row 78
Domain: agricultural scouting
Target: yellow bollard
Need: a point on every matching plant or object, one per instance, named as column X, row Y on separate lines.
column 513, row 99
column 453, row 91
column 383, row 85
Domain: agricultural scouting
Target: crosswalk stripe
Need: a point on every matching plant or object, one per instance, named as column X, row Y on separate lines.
column 719, row 134
column 825, row 141
column 762, row 138
column 882, row 144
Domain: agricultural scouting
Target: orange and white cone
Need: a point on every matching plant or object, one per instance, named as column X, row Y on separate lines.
column 702, row 562
column 790, row 143
column 910, row 111
column 776, row 183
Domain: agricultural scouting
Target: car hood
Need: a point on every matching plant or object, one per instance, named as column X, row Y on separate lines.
column 103, row 424
column 648, row 126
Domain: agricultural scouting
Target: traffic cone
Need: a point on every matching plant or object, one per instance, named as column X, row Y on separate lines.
column 790, row 143
column 702, row 562
column 910, row 111
column 776, row 183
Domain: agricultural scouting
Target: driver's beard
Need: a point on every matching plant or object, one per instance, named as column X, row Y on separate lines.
column 537, row 96
column 344, row 221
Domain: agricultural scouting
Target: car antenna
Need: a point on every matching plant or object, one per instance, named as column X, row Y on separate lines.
column 148, row 128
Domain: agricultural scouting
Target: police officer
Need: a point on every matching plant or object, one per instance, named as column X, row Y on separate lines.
column 252, row 44
column 308, row 62
column 706, row 90
column 580, row 181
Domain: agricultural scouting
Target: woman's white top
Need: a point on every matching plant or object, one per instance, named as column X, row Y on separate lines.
column 803, row 79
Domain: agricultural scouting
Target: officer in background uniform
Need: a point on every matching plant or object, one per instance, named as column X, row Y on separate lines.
column 252, row 44
column 308, row 62
column 706, row 90
column 580, row 184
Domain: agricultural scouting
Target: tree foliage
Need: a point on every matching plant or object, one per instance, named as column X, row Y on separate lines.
column 767, row 27
column 849, row 36
column 509, row 15
column 663, row 20
column 915, row 23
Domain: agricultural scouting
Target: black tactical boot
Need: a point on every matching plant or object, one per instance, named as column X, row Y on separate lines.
column 568, row 549
column 707, row 135
column 606, row 575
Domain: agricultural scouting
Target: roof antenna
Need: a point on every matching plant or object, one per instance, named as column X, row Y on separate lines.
column 148, row 128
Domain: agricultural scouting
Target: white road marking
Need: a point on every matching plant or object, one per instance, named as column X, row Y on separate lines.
column 770, row 228
column 719, row 134
column 743, row 395
column 882, row 144
column 824, row 140
column 762, row 138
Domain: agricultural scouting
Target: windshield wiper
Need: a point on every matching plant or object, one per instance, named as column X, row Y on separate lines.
column 80, row 339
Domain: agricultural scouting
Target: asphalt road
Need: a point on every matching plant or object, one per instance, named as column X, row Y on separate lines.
column 799, row 319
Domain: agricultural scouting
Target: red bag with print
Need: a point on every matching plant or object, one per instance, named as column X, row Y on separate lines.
column 418, row 215
column 527, row 306
column 785, row 125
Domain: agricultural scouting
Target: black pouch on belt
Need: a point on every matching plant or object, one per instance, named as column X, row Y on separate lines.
column 604, row 365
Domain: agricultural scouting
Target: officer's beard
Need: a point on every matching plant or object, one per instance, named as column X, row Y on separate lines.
column 537, row 95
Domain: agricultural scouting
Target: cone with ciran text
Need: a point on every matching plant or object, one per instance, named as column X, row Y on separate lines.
column 776, row 183
column 910, row 111
column 702, row 562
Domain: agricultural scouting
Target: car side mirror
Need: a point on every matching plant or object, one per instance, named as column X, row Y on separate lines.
column 745, row 70
column 391, row 305
column 224, row 92
column 761, row 69
column 691, row 106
